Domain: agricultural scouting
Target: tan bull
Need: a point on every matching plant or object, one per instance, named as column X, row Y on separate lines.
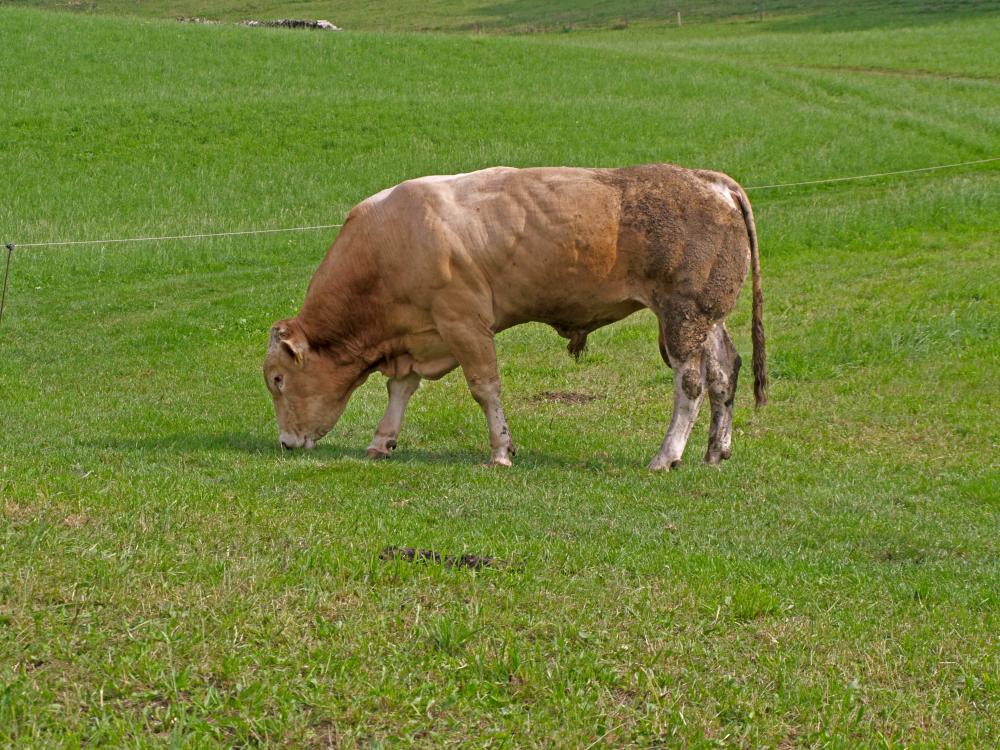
column 423, row 275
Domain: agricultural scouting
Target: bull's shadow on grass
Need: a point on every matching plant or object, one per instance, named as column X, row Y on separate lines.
column 524, row 460
column 247, row 443
column 190, row 442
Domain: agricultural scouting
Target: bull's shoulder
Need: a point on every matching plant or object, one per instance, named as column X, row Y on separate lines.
column 431, row 186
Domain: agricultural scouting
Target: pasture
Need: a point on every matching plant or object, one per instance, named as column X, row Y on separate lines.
column 169, row 577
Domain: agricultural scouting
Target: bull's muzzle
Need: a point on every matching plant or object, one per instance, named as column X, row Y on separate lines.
column 290, row 441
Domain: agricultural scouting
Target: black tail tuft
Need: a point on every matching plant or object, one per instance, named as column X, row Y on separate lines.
column 757, row 322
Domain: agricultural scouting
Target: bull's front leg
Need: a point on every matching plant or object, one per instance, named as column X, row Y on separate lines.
column 486, row 392
column 472, row 345
column 400, row 391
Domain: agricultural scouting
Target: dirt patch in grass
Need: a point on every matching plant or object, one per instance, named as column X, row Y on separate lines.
column 17, row 513
column 75, row 521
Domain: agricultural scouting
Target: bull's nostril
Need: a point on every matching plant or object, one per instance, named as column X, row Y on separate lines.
column 285, row 445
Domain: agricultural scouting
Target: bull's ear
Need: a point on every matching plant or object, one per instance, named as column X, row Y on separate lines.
column 296, row 349
column 288, row 337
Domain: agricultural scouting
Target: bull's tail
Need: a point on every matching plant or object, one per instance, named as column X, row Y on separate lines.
column 757, row 324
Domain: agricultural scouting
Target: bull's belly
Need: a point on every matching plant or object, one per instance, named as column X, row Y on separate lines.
column 584, row 314
column 573, row 313
column 570, row 280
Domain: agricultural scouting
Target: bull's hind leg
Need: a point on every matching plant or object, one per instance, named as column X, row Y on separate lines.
column 682, row 338
column 400, row 391
column 688, row 395
column 721, row 373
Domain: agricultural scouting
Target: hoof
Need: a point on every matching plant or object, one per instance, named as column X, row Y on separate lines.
column 501, row 461
column 659, row 464
column 379, row 451
column 714, row 456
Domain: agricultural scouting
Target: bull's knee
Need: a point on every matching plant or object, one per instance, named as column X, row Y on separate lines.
column 691, row 383
column 484, row 390
column 717, row 381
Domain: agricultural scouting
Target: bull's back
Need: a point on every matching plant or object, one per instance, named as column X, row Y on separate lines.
column 545, row 240
column 566, row 246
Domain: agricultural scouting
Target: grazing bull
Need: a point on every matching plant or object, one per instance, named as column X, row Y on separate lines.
column 423, row 275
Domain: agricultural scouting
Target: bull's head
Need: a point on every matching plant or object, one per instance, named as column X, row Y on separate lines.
column 309, row 387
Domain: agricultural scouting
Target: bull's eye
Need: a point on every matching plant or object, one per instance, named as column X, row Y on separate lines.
column 278, row 380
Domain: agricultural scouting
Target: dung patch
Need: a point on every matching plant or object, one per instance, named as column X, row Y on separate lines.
column 409, row 554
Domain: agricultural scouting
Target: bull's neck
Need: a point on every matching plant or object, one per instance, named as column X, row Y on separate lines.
column 341, row 305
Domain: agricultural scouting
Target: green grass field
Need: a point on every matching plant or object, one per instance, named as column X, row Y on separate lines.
column 168, row 577
column 521, row 16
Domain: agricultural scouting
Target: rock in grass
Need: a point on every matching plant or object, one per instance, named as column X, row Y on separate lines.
column 294, row 23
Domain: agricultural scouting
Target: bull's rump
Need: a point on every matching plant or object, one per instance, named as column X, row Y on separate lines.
column 568, row 246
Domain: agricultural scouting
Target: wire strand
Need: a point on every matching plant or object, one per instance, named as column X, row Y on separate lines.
column 872, row 176
column 165, row 238
column 177, row 236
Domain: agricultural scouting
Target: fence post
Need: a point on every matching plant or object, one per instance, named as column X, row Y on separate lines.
column 6, row 273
